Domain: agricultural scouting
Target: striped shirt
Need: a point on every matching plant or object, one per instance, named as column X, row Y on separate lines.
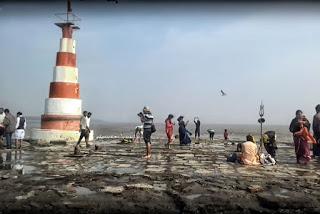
column 147, row 120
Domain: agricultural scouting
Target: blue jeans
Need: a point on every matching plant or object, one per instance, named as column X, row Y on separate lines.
column 8, row 139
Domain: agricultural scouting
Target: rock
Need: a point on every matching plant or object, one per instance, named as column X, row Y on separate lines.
column 139, row 186
column 292, row 200
column 24, row 197
column 255, row 188
column 58, row 142
column 113, row 189
column 3, row 177
column 36, row 205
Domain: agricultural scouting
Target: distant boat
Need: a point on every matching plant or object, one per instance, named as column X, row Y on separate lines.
column 223, row 93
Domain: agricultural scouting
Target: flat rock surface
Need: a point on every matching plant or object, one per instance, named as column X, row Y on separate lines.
column 182, row 179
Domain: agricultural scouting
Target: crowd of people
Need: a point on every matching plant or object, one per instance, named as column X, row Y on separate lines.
column 247, row 153
column 148, row 128
column 12, row 127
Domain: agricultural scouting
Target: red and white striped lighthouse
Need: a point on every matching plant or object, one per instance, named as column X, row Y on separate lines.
column 62, row 111
column 63, row 107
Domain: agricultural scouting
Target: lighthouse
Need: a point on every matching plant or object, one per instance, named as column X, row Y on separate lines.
column 63, row 107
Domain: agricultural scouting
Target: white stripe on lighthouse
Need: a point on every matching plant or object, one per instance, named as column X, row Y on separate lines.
column 62, row 106
column 65, row 74
column 67, row 45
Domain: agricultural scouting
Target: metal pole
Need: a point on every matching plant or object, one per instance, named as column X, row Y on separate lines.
column 261, row 121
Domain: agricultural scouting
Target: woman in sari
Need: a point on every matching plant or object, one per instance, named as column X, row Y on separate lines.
column 169, row 129
column 183, row 132
column 301, row 139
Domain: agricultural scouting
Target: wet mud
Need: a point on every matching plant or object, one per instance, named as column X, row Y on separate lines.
column 113, row 177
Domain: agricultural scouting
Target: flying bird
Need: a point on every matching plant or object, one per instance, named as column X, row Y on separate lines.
column 223, row 93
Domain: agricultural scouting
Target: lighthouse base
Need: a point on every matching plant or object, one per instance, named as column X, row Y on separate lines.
column 51, row 135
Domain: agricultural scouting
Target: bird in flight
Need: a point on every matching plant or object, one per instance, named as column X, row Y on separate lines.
column 223, row 93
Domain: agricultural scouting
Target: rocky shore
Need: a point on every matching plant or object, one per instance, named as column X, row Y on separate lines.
column 113, row 177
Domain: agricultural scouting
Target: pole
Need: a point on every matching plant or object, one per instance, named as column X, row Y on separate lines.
column 261, row 121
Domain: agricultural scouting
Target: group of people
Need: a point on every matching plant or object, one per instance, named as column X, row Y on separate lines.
column 148, row 128
column 249, row 154
column 11, row 126
column 84, row 130
column 302, row 138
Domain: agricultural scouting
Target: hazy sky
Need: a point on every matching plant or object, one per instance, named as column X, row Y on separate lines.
column 174, row 58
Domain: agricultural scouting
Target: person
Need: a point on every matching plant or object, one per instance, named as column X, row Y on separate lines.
column 184, row 137
column 301, row 138
column 2, row 115
column 146, row 118
column 169, row 129
column 20, row 129
column 316, row 131
column 138, row 130
column 84, row 131
column 88, row 120
column 211, row 133
column 197, row 131
column 9, row 123
column 269, row 142
column 295, row 125
column 226, row 135
column 249, row 152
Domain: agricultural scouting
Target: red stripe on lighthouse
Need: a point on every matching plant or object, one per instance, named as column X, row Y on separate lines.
column 64, row 90
column 67, row 31
column 66, row 59
column 58, row 122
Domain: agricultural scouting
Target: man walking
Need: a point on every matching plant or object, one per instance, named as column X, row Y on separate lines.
column 9, row 123
column 146, row 118
column 84, row 131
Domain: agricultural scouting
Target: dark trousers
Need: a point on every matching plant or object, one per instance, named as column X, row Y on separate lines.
column 197, row 133
column 8, row 140
column 211, row 136
column 316, row 147
column 84, row 134
column 147, row 135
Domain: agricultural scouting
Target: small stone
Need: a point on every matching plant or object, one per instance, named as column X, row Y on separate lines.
column 5, row 177
column 139, row 186
column 255, row 188
column 113, row 189
column 24, row 197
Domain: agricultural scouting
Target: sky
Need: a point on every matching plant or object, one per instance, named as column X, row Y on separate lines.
column 174, row 57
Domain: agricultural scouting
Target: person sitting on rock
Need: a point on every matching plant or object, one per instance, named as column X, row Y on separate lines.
column 249, row 152
column 269, row 141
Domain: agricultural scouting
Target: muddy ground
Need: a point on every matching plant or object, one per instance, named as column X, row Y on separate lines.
column 190, row 179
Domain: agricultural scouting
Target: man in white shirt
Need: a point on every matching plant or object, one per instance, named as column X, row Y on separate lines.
column 84, row 131
column 88, row 120
column 20, row 129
